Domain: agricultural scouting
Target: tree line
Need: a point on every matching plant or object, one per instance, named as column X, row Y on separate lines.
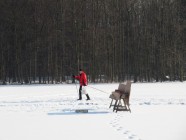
column 46, row 41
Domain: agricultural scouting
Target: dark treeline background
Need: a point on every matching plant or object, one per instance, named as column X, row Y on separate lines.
column 46, row 41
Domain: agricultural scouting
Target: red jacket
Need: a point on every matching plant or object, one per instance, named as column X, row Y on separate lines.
column 82, row 79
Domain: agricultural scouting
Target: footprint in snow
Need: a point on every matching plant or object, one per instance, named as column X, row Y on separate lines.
column 133, row 137
column 129, row 135
column 126, row 132
column 119, row 129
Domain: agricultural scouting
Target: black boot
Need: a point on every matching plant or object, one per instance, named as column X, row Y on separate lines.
column 80, row 96
column 88, row 98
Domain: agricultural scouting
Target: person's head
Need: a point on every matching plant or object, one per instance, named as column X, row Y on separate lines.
column 80, row 71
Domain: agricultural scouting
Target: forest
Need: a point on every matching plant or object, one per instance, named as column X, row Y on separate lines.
column 47, row 41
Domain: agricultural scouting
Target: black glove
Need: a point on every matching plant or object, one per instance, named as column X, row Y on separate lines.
column 73, row 76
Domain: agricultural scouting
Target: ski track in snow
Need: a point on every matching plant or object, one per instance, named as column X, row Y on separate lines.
column 155, row 101
column 53, row 104
column 64, row 103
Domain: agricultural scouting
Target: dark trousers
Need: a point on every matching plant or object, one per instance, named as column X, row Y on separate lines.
column 80, row 94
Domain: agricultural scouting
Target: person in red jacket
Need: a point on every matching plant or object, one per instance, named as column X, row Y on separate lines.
column 82, row 77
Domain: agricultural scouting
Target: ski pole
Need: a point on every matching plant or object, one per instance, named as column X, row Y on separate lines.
column 76, row 86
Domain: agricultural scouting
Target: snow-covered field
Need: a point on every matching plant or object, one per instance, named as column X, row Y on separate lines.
column 47, row 112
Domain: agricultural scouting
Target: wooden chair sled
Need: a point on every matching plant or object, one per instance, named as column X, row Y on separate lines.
column 121, row 96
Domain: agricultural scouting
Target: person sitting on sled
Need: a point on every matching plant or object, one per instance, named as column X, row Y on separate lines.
column 82, row 77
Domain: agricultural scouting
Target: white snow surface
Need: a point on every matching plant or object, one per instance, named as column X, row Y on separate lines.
column 47, row 112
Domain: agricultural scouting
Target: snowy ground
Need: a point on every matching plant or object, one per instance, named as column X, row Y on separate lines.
column 46, row 112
